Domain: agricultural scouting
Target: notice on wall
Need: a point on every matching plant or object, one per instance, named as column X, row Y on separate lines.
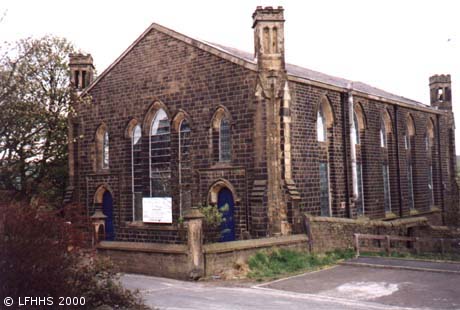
column 157, row 209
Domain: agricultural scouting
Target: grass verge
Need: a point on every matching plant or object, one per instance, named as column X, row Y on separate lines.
column 281, row 262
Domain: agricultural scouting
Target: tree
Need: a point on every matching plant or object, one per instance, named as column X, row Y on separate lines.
column 35, row 98
column 43, row 254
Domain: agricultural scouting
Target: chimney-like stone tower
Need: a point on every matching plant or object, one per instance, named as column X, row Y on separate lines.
column 81, row 70
column 440, row 92
column 272, row 148
column 268, row 24
column 81, row 75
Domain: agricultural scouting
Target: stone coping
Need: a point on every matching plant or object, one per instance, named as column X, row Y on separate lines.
column 222, row 247
column 143, row 247
column 387, row 223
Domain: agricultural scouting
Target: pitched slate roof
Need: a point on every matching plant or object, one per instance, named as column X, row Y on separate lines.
column 324, row 78
column 247, row 59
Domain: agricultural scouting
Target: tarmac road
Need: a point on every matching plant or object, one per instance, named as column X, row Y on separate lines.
column 173, row 294
column 340, row 287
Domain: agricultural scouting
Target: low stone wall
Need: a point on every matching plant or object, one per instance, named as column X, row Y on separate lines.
column 220, row 257
column 175, row 261
column 330, row 233
column 156, row 259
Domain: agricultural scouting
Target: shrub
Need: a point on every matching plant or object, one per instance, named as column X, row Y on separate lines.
column 212, row 215
column 42, row 254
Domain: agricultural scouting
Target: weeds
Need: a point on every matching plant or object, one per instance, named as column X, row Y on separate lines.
column 281, row 262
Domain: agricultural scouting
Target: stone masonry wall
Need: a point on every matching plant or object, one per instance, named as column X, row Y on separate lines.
column 306, row 156
column 184, row 78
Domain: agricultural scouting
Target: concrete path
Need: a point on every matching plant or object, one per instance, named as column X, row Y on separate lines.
column 173, row 294
column 422, row 265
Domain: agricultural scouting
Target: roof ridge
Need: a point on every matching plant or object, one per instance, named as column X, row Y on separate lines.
column 247, row 60
column 245, row 56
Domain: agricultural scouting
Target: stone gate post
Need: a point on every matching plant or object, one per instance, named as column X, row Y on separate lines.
column 194, row 221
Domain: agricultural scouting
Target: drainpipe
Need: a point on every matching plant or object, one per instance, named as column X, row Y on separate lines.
column 398, row 162
column 344, row 98
column 441, row 181
column 354, row 174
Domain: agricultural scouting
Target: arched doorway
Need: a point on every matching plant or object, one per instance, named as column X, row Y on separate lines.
column 107, row 209
column 226, row 205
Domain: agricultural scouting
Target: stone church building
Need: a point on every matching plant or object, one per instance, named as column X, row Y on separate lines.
column 175, row 123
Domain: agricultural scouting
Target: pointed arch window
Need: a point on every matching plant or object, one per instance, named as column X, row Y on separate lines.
column 221, row 135
column 429, row 144
column 355, row 130
column 105, row 151
column 324, row 120
column 321, row 126
column 224, row 140
column 383, row 134
column 185, row 171
column 358, row 125
column 102, row 148
column 410, row 159
column 136, row 171
column 385, row 131
column 160, row 155
column 137, row 134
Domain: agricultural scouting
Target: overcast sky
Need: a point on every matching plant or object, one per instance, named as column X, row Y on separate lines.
column 393, row 45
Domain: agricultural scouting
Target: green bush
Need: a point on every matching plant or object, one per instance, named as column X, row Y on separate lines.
column 281, row 261
column 212, row 215
column 42, row 254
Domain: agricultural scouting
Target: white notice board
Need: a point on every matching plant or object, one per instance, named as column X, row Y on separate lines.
column 157, row 209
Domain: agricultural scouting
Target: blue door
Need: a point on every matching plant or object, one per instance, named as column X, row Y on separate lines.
column 107, row 209
column 226, row 207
